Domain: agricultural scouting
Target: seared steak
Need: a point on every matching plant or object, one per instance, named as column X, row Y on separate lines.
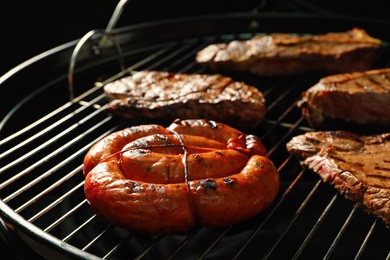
column 286, row 54
column 358, row 97
column 357, row 166
column 167, row 95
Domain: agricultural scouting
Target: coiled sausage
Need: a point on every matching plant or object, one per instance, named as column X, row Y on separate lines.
column 160, row 180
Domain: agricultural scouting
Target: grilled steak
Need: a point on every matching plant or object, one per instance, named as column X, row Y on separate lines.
column 357, row 166
column 167, row 95
column 358, row 97
column 286, row 54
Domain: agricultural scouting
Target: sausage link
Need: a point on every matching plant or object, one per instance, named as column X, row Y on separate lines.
column 109, row 146
column 162, row 180
column 143, row 207
column 167, row 208
column 161, row 159
column 227, row 200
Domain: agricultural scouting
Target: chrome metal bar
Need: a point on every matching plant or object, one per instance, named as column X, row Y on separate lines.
column 113, row 21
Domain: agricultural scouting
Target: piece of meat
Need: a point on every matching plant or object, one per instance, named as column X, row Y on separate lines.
column 287, row 54
column 158, row 180
column 167, row 95
column 357, row 166
column 358, row 97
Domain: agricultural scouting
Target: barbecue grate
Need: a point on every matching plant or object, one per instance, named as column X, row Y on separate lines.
column 43, row 207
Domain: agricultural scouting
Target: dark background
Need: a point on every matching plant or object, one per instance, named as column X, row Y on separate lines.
column 32, row 27
column 36, row 26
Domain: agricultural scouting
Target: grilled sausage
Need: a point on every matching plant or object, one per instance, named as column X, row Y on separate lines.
column 223, row 201
column 145, row 207
column 169, row 181
column 108, row 147
column 159, row 159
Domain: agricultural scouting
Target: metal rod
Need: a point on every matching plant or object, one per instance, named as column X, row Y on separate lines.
column 113, row 21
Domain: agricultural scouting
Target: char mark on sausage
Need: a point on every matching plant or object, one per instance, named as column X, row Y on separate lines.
column 168, row 95
column 287, row 54
column 357, row 97
column 355, row 165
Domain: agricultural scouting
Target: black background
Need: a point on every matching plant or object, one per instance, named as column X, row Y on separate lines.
column 32, row 27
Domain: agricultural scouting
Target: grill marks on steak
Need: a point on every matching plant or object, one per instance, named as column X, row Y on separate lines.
column 287, row 54
column 358, row 97
column 167, row 95
column 357, row 166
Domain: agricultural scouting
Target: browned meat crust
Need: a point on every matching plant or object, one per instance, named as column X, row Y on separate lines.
column 286, row 54
column 166, row 95
column 357, row 166
column 358, row 97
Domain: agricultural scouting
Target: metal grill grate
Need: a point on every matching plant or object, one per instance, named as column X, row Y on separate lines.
column 41, row 178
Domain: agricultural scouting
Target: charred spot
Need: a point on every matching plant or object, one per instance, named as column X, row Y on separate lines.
column 259, row 164
column 177, row 186
column 135, row 184
column 313, row 141
column 219, row 153
column 131, row 102
column 208, row 184
column 132, row 185
column 153, row 187
column 213, row 124
column 229, row 182
column 358, row 164
column 380, row 168
column 136, row 151
column 141, row 152
column 141, row 143
column 198, row 158
column 347, row 135
column 162, row 138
